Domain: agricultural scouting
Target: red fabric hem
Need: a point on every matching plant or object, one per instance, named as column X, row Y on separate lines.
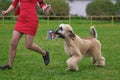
column 23, row 32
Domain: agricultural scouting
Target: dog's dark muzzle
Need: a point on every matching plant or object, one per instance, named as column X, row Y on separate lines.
column 59, row 35
column 56, row 32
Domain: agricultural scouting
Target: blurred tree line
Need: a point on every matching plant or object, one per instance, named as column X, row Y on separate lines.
column 61, row 8
column 103, row 8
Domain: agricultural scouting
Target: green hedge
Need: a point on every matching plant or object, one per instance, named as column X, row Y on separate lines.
column 100, row 7
column 59, row 7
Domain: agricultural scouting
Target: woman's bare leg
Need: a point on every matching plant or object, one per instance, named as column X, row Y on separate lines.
column 30, row 45
column 13, row 45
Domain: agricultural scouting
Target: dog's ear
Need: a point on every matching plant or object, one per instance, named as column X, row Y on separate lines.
column 72, row 35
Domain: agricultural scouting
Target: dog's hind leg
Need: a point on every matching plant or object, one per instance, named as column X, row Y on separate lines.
column 99, row 58
column 72, row 63
column 93, row 60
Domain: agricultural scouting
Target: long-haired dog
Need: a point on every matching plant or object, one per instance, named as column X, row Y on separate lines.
column 76, row 47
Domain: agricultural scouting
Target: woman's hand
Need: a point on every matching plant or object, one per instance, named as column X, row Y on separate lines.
column 46, row 9
column 4, row 12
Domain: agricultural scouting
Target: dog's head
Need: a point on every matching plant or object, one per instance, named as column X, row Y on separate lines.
column 65, row 31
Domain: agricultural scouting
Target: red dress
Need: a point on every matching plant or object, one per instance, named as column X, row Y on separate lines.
column 27, row 21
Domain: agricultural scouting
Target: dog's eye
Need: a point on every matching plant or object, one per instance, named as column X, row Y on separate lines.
column 61, row 28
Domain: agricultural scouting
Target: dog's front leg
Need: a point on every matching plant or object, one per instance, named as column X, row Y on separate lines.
column 72, row 63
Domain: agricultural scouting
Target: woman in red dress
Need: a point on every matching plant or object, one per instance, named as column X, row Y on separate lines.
column 27, row 23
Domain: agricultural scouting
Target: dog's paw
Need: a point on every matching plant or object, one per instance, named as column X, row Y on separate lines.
column 68, row 69
column 99, row 65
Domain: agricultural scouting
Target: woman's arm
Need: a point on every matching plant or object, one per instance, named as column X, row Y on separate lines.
column 11, row 7
column 4, row 12
column 46, row 8
column 41, row 3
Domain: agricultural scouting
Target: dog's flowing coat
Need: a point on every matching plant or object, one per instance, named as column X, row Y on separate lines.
column 76, row 47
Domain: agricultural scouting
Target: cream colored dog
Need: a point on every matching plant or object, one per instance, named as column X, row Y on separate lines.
column 76, row 47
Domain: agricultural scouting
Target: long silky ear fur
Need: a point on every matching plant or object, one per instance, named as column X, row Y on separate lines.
column 72, row 35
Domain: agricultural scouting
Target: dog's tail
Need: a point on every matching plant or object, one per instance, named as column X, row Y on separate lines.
column 93, row 31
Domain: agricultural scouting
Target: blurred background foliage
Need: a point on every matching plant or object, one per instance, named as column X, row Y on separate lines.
column 103, row 8
column 61, row 7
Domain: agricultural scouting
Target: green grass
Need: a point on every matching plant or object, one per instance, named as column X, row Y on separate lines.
column 29, row 65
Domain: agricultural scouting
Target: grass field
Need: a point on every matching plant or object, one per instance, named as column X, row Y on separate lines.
column 29, row 65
